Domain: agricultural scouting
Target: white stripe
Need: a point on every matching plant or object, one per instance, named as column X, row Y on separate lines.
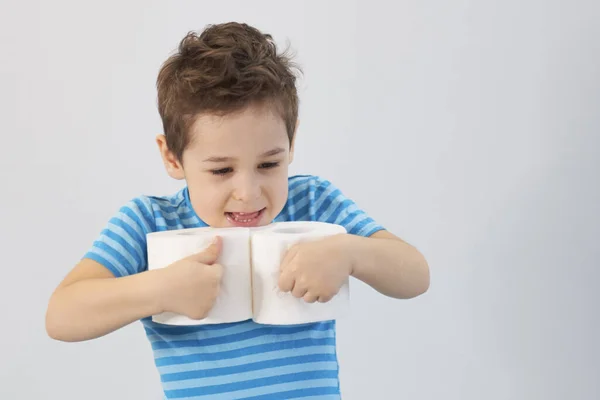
column 230, row 362
column 208, row 333
column 133, row 207
column 241, row 344
column 114, row 263
column 250, row 375
column 115, row 229
column 122, row 251
column 273, row 389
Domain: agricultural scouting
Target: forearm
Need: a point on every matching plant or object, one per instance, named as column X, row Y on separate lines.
column 391, row 266
column 91, row 308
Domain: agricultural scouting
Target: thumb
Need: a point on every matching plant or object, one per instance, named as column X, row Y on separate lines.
column 210, row 254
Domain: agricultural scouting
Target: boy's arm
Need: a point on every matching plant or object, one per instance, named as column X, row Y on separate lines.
column 90, row 302
column 388, row 264
column 373, row 255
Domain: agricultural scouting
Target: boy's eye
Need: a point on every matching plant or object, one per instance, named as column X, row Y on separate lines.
column 224, row 171
column 269, row 165
column 221, row 171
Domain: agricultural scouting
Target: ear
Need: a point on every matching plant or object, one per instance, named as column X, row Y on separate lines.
column 294, row 141
column 172, row 165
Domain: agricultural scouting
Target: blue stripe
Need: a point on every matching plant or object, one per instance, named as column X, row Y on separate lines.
column 129, row 226
column 326, row 188
column 349, row 218
column 145, row 212
column 327, row 202
column 130, row 252
column 337, row 210
column 297, row 394
column 282, row 387
column 254, row 375
column 308, row 192
column 254, row 366
column 172, row 218
column 297, row 181
column 230, row 362
column 169, row 209
column 237, row 386
column 303, row 199
column 257, row 349
column 159, row 329
column 356, row 229
column 142, row 223
column 157, row 333
column 236, row 337
column 323, row 196
column 181, row 351
column 192, row 223
column 120, row 258
column 235, row 331
column 375, row 228
column 302, row 214
column 179, row 210
column 116, row 270
column 161, row 225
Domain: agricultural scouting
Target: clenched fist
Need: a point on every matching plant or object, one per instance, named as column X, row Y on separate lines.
column 316, row 270
column 191, row 285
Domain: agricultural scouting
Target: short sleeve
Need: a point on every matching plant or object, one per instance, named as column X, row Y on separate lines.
column 121, row 245
column 332, row 206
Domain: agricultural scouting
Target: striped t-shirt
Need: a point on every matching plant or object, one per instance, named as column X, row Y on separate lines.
column 242, row 360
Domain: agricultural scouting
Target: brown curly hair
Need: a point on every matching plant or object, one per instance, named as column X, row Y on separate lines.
column 224, row 69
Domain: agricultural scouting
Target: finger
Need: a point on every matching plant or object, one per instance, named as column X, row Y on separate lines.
column 324, row 299
column 299, row 290
column 210, row 254
column 286, row 282
column 288, row 257
column 310, row 298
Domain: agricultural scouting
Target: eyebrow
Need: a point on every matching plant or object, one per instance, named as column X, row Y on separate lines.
column 269, row 153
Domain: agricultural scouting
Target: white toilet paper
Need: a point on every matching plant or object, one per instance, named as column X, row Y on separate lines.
column 234, row 302
column 273, row 307
column 251, row 259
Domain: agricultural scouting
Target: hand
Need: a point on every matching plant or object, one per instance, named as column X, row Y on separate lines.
column 190, row 286
column 316, row 270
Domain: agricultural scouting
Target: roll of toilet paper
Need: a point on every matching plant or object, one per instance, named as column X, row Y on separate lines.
column 234, row 302
column 273, row 307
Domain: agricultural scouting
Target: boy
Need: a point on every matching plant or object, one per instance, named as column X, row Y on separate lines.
column 229, row 108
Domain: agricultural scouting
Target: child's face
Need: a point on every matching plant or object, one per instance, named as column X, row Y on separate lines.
column 236, row 167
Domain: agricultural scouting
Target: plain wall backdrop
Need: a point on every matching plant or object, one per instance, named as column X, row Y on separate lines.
column 469, row 128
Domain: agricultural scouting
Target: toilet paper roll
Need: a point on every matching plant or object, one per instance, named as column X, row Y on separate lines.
column 273, row 307
column 234, row 302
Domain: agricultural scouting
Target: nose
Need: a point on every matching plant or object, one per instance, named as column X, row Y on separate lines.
column 247, row 189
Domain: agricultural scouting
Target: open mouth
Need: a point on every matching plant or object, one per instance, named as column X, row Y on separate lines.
column 245, row 219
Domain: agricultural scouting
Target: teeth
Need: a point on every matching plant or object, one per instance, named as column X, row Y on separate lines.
column 239, row 216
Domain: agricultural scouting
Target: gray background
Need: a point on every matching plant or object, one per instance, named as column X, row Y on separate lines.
column 469, row 128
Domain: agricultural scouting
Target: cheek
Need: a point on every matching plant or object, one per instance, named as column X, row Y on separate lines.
column 278, row 189
column 216, row 197
column 209, row 196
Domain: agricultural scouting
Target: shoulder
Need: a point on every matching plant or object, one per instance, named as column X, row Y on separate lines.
column 156, row 212
column 313, row 188
column 300, row 183
column 174, row 211
column 309, row 196
column 315, row 198
column 121, row 245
